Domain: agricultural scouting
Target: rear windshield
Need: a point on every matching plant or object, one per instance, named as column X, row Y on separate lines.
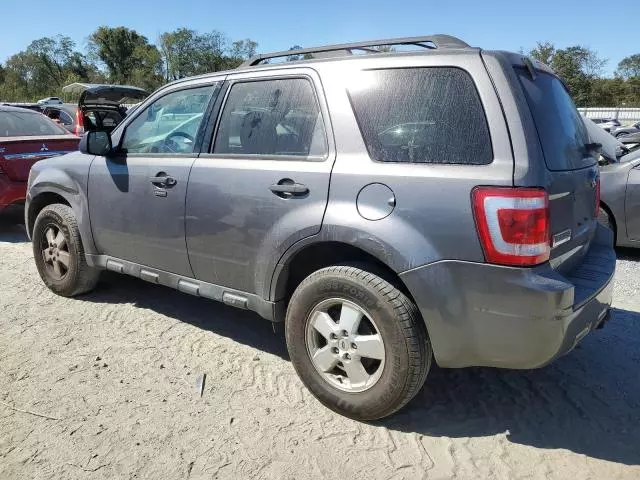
column 421, row 115
column 27, row 124
column 561, row 131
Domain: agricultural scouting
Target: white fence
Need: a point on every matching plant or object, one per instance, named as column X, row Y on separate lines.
column 625, row 115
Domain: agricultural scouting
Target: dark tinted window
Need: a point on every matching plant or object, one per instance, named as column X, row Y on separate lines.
column 26, row 123
column 421, row 115
column 560, row 127
column 272, row 117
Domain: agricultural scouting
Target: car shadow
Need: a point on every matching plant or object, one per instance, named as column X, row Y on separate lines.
column 624, row 253
column 587, row 401
column 12, row 229
column 240, row 325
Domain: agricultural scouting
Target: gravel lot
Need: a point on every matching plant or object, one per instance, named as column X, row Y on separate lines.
column 116, row 372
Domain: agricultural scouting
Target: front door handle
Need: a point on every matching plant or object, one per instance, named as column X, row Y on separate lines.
column 164, row 181
column 289, row 189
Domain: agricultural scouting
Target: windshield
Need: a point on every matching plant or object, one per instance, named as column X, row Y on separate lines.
column 561, row 131
column 27, row 124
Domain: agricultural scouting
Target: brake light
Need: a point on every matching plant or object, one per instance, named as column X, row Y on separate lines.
column 597, row 197
column 79, row 130
column 513, row 224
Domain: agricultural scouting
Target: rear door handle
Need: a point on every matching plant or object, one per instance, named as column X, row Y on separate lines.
column 163, row 181
column 289, row 189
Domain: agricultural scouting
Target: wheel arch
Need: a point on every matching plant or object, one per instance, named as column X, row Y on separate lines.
column 612, row 217
column 54, row 185
column 39, row 202
column 312, row 257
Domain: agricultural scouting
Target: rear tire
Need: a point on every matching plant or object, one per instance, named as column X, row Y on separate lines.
column 59, row 253
column 370, row 371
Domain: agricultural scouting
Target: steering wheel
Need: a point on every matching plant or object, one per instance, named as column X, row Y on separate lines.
column 171, row 146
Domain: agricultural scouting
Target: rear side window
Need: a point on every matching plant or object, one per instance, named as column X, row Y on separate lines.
column 421, row 115
column 27, row 124
column 272, row 117
column 561, row 130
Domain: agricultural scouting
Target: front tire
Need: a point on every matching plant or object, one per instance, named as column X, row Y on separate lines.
column 357, row 342
column 59, row 253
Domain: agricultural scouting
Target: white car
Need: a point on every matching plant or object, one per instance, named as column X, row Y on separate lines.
column 50, row 101
column 606, row 123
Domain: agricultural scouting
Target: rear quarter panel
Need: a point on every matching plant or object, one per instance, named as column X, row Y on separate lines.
column 432, row 219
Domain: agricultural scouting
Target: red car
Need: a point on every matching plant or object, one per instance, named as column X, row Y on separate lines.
column 26, row 137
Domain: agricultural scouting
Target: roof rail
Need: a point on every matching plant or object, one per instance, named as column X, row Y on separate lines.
column 430, row 42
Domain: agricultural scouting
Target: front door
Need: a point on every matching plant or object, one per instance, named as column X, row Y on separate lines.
column 136, row 199
column 265, row 183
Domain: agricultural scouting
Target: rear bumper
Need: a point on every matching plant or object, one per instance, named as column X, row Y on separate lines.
column 487, row 315
column 11, row 192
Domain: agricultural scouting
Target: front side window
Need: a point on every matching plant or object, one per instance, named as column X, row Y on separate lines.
column 421, row 115
column 170, row 124
column 272, row 117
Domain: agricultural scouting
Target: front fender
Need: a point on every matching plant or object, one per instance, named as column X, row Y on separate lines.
column 47, row 183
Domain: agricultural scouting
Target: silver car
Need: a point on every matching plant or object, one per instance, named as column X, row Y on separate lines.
column 392, row 208
column 620, row 199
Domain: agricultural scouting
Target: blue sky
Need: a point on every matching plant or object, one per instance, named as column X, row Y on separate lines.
column 275, row 25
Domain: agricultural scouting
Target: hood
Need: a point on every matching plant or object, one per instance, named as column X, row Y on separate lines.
column 113, row 95
column 611, row 146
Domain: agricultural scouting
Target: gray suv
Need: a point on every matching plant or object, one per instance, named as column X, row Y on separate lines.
column 390, row 207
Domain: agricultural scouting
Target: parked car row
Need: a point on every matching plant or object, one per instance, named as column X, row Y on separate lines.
column 25, row 138
column 30, row 132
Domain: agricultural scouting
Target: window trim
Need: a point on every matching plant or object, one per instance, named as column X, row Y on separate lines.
column 427, row 164
column 201, row 129
column 254, row 156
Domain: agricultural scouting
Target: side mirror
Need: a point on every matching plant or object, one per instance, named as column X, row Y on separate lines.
column 96, row 143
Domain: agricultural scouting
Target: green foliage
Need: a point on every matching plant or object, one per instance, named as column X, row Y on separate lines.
column 121, row 55
column 629, row 67
column 129, row 58
column 43, row 69
column 581, row 70
column 186, row 53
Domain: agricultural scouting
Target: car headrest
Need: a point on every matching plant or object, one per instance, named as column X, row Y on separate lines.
column 258, row 133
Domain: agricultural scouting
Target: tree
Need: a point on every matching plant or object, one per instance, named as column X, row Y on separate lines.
column 543, row 52
column 127, row 56
column 243, row 49
column 629, row 67
column 185, row 53
column 294, row 58
column 578, row 66
column 44, row 68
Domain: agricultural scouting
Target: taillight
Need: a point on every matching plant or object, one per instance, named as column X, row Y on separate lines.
column 79, row 131
column 513, row 224
column 597, row 197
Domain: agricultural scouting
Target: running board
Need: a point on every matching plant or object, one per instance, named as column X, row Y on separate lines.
column 273, row 311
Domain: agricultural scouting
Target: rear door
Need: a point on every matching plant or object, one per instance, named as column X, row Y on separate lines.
column 572, row 175
column 265, row 182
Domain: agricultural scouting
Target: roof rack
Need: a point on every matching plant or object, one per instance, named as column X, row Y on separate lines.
column 430, row 42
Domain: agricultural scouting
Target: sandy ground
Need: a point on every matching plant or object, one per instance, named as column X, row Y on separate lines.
column 116, row 371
